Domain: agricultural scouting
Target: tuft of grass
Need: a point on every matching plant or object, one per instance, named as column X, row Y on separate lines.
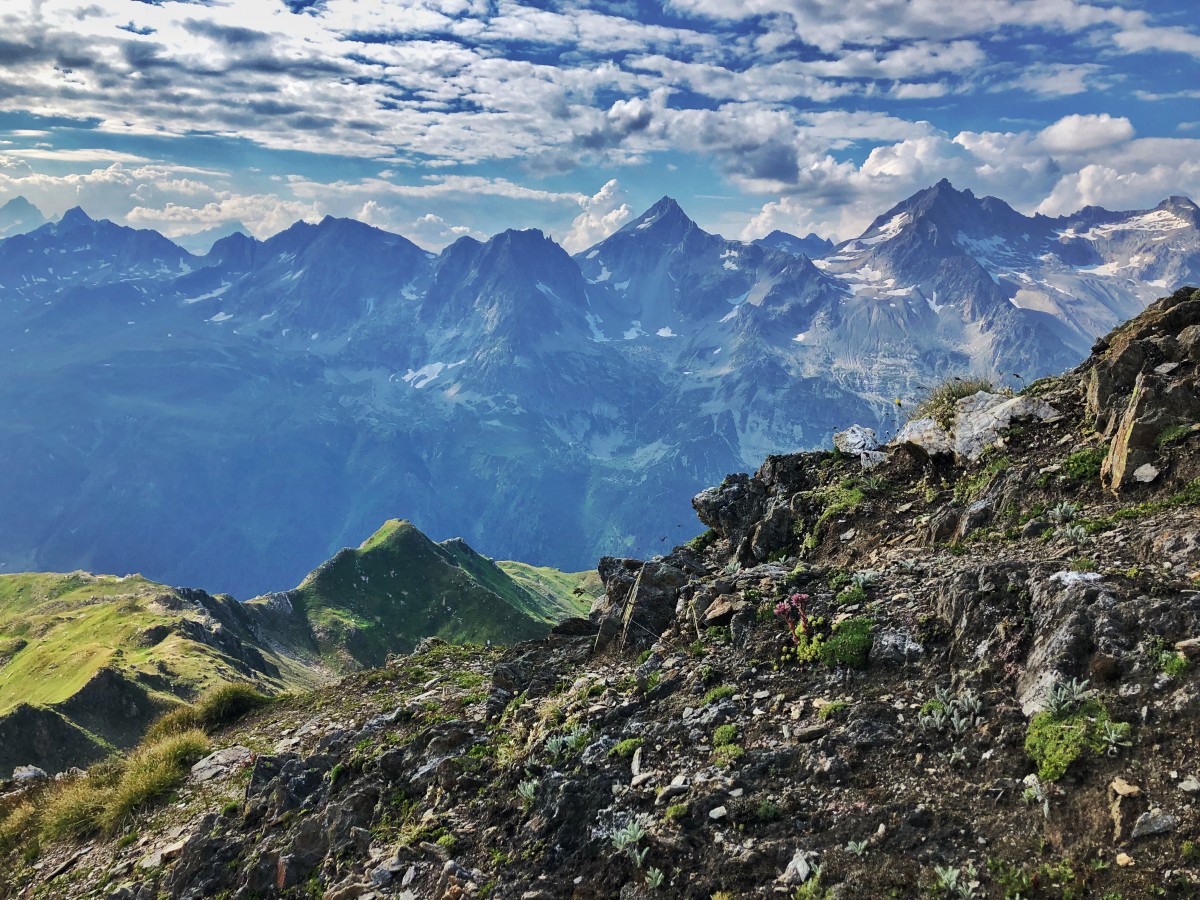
column 1189, row 496
column 152, row 771
column 938, row 404
column 724, row 734
column 216, row 707
column 73, row 809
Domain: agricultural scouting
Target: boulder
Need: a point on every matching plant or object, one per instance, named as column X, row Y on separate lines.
column 980, row 418
column 638, row 604
column 856, row 440
column 925, row 436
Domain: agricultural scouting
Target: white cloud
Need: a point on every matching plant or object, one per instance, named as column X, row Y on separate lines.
column 1081, row 133
column 603, row 213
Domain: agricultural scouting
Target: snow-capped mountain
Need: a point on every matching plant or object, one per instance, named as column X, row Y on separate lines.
column 231, row 417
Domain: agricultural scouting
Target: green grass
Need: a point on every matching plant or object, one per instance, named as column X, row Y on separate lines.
column 832, row 710
column 1189, row 496
column 626, row 748
column 722, row 692
column 218, row 706
column 555, row 590
column 850, row 643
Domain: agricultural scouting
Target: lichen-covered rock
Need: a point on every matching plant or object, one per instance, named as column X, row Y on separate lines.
column 926, row 436
column 980, row 419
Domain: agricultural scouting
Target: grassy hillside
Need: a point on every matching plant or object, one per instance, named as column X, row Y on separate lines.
column 87, row 661
column 560, row 594
column 399, row 587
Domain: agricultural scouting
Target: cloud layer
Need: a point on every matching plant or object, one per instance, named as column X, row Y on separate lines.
column 440, row 118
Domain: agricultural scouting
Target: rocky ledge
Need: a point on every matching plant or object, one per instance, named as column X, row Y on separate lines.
column 960, row 664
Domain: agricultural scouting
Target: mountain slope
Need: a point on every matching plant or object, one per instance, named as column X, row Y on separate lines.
column 961, row 673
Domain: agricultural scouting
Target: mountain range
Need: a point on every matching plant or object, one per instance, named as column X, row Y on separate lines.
column 221, row 419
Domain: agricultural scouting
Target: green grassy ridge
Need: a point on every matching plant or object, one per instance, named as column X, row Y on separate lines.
column 399, row 586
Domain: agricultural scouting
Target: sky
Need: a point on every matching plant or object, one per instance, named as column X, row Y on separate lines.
column 442, row 118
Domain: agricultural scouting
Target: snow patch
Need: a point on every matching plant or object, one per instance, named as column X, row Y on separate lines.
column 603, row 276
column 666, row 332
column 221, row 317
column 594, row 323
column 800, row 338
column 216, row 292
column 593, row 254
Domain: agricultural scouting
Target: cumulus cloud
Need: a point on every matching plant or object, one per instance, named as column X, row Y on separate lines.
column 603, row 213
column 1082, row 133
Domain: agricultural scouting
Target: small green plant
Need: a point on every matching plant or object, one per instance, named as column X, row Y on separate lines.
column 768, row 811
column 231, row 809
column 1168, row 660
column 724, row 734
column 626, row 748
column 832, row 710
column 654, row 878
column 727, row 754
column 850, row 643
column 527, row 791
column 1063, row 513
column 721, row 692
column 858, row 848
column 1076, row 534
column 1083, row 564
column 955, row 882
column 1070, row 728
column 702, row 541
column 625, row 840
column 1083, row 465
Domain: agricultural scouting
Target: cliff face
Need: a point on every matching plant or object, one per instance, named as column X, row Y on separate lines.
column 961, row 664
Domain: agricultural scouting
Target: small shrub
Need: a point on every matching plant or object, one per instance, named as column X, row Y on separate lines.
column 1055, row 740
column 1168, row 660
column 768, row 812
column 850, row 643
column 702, row 541
column 216, row 707
column 727, row 754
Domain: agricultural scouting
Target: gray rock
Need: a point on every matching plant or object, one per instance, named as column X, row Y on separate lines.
column 27, row 774
column 979, row 419
column 222, row 763
column 895, row 647
column 798, row 870
column 1154, row 822
column 927, row 436
column 856, row 440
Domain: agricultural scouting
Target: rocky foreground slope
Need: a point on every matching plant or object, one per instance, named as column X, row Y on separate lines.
column 961, row 665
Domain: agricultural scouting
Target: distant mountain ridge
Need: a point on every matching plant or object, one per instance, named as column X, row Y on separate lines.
column 218, row 419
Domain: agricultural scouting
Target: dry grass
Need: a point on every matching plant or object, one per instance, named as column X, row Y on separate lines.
column 151, row 772
column 939, row 403
column 219, row 706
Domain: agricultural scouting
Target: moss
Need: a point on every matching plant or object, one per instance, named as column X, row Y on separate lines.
column 702, row 541
column 626, row 748
column 855, row 593
column 718, row 693
column 1056, row 742
column 675, row 811
column 1173, row 435
column 832, row 710
column 850, row 643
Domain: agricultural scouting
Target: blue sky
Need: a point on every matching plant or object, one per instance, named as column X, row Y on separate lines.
column 438, row 118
